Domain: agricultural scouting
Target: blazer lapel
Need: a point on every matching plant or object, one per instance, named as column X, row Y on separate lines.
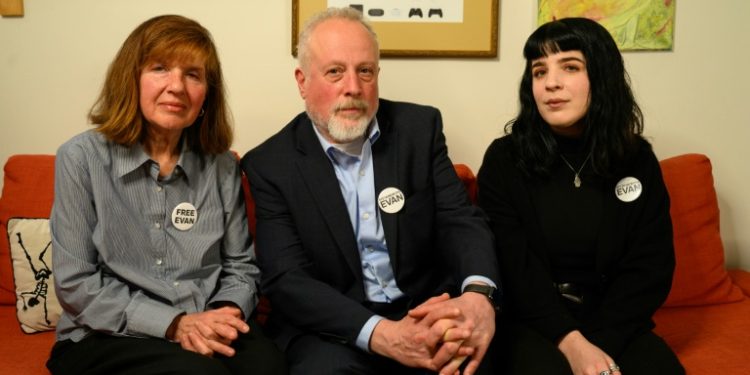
column 385, row 163
column 320, row 179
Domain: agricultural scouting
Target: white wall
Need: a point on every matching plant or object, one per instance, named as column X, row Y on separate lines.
column 53, row 59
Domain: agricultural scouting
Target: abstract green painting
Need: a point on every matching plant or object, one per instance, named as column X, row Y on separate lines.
column 634, row 24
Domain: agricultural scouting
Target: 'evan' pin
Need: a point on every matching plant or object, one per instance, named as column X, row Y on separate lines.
column 391, row 200
column 184, row 216
column 628, row 189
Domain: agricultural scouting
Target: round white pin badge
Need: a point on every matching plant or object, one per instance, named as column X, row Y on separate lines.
column 628, row 189
column 184, row 216
column 391, row 200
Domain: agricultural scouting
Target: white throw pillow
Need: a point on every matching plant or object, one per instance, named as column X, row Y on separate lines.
column 37, row 306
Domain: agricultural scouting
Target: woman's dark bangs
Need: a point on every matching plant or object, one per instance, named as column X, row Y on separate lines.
column 555, row 37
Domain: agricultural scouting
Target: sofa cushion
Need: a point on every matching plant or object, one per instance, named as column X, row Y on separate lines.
column 28, row 189
column 37, row 307
column 700, row 277
column 741, row 278
column 708, row 339
column 21, row 353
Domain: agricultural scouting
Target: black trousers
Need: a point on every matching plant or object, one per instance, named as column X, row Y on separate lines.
column 311, row 354
column 105, row 354
column 523, row 351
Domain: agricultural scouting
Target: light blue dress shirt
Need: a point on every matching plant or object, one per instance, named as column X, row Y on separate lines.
column 356, row 177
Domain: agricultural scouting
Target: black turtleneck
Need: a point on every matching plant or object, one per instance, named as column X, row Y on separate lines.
column 570, row 216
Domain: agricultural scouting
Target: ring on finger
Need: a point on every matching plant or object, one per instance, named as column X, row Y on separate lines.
column 614, row 367
column 605, row 372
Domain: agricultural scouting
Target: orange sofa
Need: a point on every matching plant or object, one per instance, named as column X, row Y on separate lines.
column 706, row 318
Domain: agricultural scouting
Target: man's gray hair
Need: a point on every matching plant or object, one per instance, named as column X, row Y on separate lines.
column 345, row 13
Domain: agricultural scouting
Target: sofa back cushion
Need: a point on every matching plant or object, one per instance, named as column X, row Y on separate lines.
column 28, row 189
column 249, row 205
column 467, row 176
column 700, row 277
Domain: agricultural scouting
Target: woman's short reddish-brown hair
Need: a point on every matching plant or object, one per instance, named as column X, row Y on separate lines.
column 117, row 112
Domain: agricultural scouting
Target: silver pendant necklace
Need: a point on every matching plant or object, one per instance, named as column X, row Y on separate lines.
column 577, row 178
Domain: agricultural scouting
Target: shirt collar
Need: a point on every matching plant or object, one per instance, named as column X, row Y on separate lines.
column 331, row 150
column 128, row 159
column 189, row 162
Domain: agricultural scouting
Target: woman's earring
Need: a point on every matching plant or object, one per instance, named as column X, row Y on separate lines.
column 203, row 112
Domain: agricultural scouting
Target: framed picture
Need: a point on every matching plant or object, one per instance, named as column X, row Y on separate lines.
column 418, row 28
column 11, row 8
column 636, row 25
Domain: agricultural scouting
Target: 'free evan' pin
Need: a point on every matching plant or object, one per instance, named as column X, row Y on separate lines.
column 628, row 189
column 391, row 200
column 184, row 216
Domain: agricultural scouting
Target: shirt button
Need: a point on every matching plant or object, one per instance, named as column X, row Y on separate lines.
column 159, row 188
column 365, row 216
column 158, row 262
column 362, row 173
column 176, row 283
column 383, row 284
column 369, row 248
column 157, row 225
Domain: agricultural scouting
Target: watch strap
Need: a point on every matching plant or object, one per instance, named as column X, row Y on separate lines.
column 485, row 290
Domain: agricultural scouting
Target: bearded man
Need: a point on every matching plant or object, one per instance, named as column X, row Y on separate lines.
column 372, row 256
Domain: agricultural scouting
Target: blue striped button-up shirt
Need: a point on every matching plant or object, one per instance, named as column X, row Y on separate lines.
column 121, row 266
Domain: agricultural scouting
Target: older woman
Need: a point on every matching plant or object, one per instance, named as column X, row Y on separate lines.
column 153, row 262
column 581, row 214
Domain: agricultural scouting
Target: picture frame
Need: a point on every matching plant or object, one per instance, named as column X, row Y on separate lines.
column 476, row 35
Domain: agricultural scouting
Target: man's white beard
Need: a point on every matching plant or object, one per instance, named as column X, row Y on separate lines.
column 342, row 132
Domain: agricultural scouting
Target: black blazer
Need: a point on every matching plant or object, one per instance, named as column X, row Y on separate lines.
column 634, row 256
column 307, row 248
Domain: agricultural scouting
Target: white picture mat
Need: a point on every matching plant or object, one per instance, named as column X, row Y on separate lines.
column 432, row 11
